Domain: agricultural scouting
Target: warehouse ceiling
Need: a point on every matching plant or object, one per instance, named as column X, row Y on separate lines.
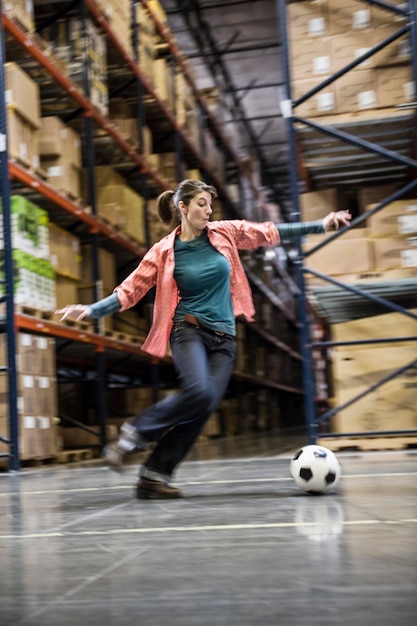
column 233, row 47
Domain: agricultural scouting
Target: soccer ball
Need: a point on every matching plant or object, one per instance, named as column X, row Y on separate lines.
column 315, row 469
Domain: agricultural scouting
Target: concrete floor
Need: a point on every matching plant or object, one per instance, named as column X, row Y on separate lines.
column 245, row 547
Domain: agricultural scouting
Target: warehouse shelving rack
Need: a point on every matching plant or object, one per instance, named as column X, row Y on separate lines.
column 341, row 302
column 73, row 215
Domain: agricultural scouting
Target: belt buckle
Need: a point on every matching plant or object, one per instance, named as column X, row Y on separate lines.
column 220, row 334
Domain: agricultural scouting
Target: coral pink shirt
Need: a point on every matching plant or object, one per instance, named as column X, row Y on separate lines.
column 157, row 268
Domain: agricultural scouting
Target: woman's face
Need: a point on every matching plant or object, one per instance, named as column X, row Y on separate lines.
column 196, row 215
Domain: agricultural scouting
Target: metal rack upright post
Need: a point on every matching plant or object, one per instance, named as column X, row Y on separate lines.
column 313, row 423
column 12, row 439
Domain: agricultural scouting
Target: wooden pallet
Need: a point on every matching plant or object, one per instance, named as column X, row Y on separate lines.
column 116, row 335
column 338, row 444
column 74, row 456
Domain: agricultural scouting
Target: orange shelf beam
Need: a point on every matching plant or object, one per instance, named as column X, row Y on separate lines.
column 66, row 83
column 37, row 325
column 95, row 223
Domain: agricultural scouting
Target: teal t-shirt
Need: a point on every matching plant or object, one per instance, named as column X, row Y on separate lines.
column 203, row 278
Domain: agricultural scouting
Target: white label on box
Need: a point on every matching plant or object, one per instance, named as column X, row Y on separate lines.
column 316, row 26
column 23, row 150
column 42, row 343
column 43, row 382
column 44, row 422
column 57, row 170
column 325, row 101
column 321, row 65
column 361, row 19
column 411, row 207
column 8, row 96
column 25, row 339
column 409, row 258
column 29, row 421
column 407, row 224
column 408, row 89
column 28, row 381
column 366, row 99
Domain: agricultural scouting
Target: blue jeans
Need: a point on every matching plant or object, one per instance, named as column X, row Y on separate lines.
column 204, row 362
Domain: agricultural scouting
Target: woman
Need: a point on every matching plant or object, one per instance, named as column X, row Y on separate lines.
column 201, row 288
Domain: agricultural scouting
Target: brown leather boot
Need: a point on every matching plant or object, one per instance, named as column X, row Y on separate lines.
column 156, row 490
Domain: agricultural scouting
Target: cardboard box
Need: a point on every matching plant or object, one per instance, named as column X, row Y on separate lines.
column 356, row 91
column 397, row 52
column 395, row 85
column 107, row 265
column 387, row 325
column 395, row 253
column 307, row 20
column 22, row 94
column 57, row 139
column 163, row 81
column 65, row 252
column 348, row 15
column 22, row 10
column 63, row 175
column 66, row 291
column 315, row 205
column 347, row 47
column 342, row 256
column 382, row 17
column 322, row 103
column 310, row 58
column 389, row 407
column 23, row 140
column 35, row 355
column 398, row 218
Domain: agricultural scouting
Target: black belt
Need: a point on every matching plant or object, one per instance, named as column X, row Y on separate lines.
column 192, row 319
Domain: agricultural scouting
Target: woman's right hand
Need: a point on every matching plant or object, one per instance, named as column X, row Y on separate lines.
column 75, row 312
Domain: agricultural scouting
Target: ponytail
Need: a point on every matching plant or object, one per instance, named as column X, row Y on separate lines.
column 165, row 206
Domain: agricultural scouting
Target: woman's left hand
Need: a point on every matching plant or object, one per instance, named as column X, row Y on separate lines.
column 335, row 219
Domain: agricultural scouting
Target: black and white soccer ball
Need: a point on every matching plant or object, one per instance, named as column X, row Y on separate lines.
column 315, row 469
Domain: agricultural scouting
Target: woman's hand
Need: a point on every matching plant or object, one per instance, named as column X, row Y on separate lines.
column 75, row 312
column 334, row 220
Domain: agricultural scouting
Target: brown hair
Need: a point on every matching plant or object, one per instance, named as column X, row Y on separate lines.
column 168, row 201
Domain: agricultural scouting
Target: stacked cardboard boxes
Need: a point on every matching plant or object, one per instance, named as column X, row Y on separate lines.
column 388, row 242
column 23, row 116
column 66, row 260
column 117, row 202
column 22, row 11
column 82, row 47
column 118, row 14
column 327, row 35
column 60, row 153
column 86, row 286
column 37, row 395
column 390, row 407
column 146, row 42
column 393, row 232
